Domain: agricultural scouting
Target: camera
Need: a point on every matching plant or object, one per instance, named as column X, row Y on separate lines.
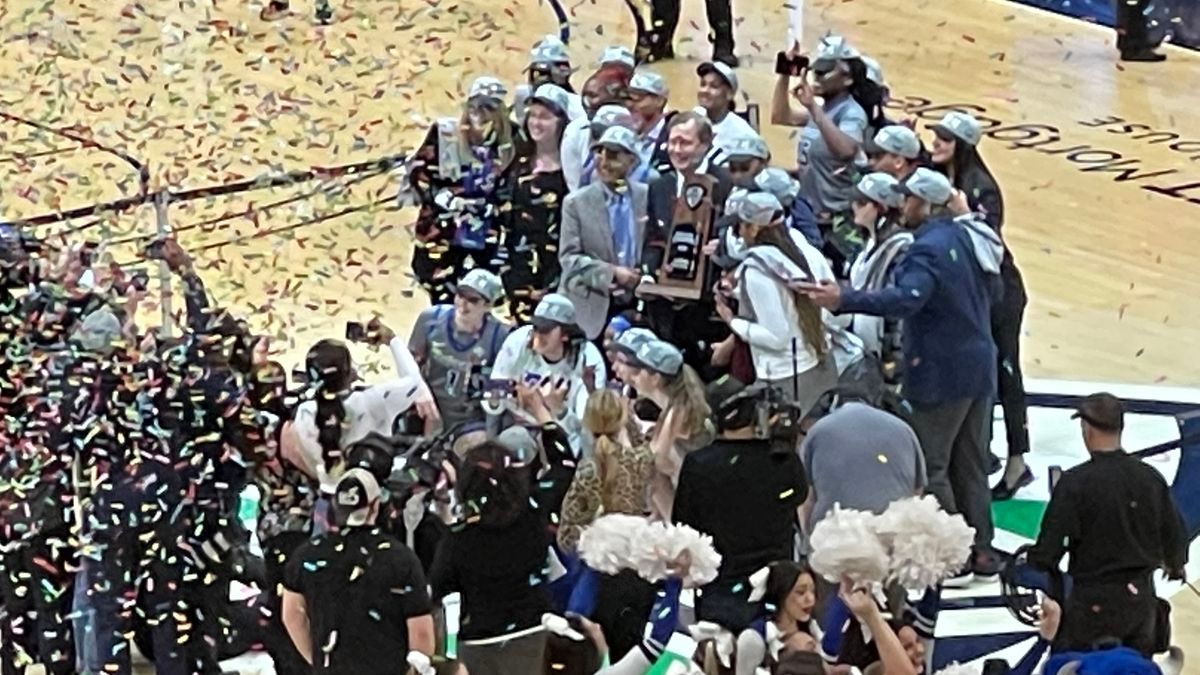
column 792, row 67
column 773, row 415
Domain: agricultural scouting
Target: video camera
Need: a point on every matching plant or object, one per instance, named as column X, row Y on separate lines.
column 773, row 415
column 422, row 466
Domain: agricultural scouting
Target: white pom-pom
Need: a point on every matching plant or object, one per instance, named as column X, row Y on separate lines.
column 925, row 544
column 661, row 545
column 957, row 668
column 605, row 544
column 844, row 544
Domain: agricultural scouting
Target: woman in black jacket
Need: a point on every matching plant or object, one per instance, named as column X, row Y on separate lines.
column 456, row 176
column 535, row 188
column 956, row 155
column 495, row 557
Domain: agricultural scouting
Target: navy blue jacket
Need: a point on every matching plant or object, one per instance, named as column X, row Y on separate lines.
column 944, row 298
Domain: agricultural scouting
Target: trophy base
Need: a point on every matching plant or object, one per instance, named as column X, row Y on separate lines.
column 677, row 292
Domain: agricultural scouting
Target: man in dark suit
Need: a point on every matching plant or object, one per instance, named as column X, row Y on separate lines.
column 603, row 230
column 691, row 325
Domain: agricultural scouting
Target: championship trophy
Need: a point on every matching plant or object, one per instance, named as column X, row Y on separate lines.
column 685, row 266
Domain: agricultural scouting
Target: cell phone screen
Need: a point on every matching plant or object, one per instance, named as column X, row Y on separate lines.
column 355, row 332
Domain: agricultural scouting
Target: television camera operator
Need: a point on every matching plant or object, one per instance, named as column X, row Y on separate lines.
column 744, row 489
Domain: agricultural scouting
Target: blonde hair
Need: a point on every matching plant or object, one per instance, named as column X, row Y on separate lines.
column 605, row 418
column 498, row 134
column 686, row 403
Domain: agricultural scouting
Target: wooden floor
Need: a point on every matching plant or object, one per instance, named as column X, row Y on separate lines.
column 204, row 93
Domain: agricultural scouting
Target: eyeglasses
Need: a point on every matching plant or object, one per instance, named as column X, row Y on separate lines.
column 484, row 104
column 740, row 167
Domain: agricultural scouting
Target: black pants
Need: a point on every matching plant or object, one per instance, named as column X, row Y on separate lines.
column 439, row 266
column 1131, row 25
column 1124, row 612
column 37, row 590
column 1007, row 317
column 720, row 23
column 693, row 327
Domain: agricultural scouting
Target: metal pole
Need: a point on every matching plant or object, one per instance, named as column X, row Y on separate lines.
column 163, row 230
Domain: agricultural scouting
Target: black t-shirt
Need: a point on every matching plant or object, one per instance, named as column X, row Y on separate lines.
column 500, row 572
column 744, row 494
column 360, row 586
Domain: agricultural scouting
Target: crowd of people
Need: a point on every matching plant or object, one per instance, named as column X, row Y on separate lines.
column 635, row 311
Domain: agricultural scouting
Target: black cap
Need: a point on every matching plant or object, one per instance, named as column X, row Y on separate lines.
column 1103, row 411
column 723, row 399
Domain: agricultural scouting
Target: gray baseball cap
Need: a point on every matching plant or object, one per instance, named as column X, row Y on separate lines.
column 620, row 138
column 632, row 339
column 484, row 283
column 550, row 50
column 898, row 140
column 552, row 96
column 661, row 357
column 759, row 208
column 649, row 82
column 778, row 182
column 721, row 69
column 881, row 189
column 874, row 71
column 961, row 126
column 554, row 310
column 619, row 55
column 749, row 145
column 835, row 48
column 613, row 115
column 926, row 184
column 99, row 331
column 487, row 86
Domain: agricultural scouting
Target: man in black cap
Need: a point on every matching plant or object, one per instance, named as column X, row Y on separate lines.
column 744, row 489
column 1115, row 516
column 355, row 601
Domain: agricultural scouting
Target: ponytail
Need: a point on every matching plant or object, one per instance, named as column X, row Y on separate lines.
column 329, row 369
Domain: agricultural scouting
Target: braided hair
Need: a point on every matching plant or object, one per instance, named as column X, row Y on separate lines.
column 330, row 372
column 867, row 93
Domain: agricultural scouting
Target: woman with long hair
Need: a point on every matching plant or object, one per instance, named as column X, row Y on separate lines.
column 336, row 414
column 496, row 558
column 786, row 331
column 956, row 154
column 456, row 175
column 685, row 424
column 614, row 477
column 535, row 188
column 837, row 109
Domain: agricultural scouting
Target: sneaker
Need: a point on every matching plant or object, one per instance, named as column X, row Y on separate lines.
column 1143, row 56
column 324, row 13
column 985, row 566
column 275, row 9
column 726, row 57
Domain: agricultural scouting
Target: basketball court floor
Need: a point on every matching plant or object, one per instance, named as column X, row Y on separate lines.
column 1099, row 161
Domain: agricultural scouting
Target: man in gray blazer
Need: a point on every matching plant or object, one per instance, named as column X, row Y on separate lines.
column 602, row 232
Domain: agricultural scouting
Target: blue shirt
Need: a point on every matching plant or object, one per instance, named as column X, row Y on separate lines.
column 620, row 218
column 945, row 299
